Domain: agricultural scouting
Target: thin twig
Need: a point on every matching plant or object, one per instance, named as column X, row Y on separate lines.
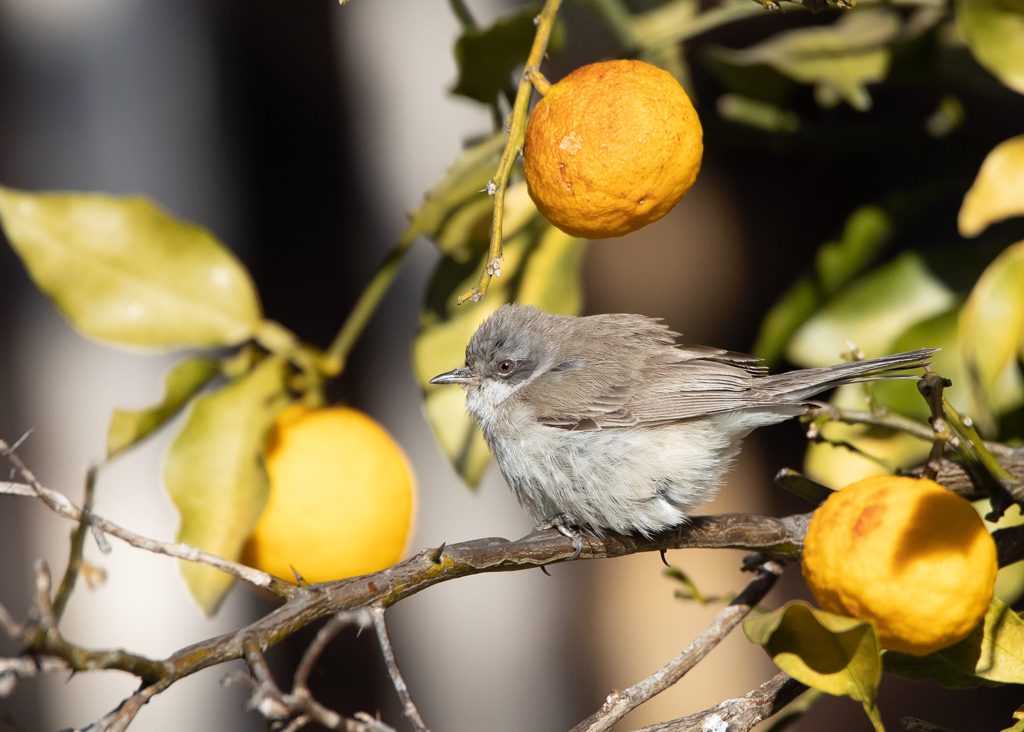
column 290, row 712
column 62, row 506
column 75, row 555
column 119, row 719
column 893, row 421
column 366, row 305
column 9, row 624
column 516, row 134
column 738, row 715
column 26, row 667
column 931, row 387
column 360, row 618
column 620, row 703
column 42, row 638
column 408, row 707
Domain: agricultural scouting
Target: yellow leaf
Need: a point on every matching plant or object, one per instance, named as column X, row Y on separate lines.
column 994, row 30
column 998, row 191
column 992, row 320
column 215, row 473
column 122, row 270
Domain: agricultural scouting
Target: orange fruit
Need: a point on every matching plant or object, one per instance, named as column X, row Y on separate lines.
column 906, row 554
column 611, row 148
column 342, row 497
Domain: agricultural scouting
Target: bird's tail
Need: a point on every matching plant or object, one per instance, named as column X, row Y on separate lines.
column 805, row 383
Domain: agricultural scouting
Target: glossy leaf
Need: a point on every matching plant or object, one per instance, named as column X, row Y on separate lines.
column 871, row 312
column 835, row 654
column 994, row 31
column 215, row 474
column 840, row 60
column 998, row 191
column 992, row 654
column 487, row 57
column 992, row 321
column 540, row 267
column 122, row 270
column 865, row 233
column 184, row 381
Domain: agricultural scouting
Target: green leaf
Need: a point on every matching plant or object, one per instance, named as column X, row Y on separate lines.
column 866, row 232
column 1019, row 724
column 185, row 380
column 755, row 113
column 994, row 31
column 992, row 321
column 840, row 60
column 998, row 191
column 122, row 270
column 215, row 474
column 540, row 267
column 836, row 654
column 943, row 332
column 851, row 452
column 551, row 277
column 785, row 317
column 487, row 57
column 871, row 312
column 439, row 348
column 993, row 654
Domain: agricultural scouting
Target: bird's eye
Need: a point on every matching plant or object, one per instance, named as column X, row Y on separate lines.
column 506, row 367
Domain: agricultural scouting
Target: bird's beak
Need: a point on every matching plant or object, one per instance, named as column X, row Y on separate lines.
column 455, row 376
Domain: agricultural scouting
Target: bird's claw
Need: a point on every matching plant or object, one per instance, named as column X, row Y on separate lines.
column 563, row 526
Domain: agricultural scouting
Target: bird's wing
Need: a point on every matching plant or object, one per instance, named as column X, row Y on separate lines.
column 671, row 384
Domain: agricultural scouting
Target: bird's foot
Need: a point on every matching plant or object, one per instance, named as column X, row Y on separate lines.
column 564, row 526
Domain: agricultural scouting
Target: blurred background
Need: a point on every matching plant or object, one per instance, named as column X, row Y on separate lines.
column 303, row 134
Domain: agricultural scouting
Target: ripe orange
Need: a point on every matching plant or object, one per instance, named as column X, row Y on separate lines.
column 611, row 148
column 906, row 554
column 342, row 497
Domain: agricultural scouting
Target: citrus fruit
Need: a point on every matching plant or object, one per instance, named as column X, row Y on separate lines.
column 610, row 148
column 342, row 497
column 906, row 554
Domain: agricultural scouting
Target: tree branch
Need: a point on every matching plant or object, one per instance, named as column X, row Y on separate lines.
column 63, row 506
column 738, row 715
column 620, row 703
column 408, row 708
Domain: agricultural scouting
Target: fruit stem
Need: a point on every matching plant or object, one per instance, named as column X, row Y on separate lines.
column 540, row 83
column 367, row 303
column 516, row 134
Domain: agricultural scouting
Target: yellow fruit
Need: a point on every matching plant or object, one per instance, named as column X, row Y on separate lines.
column 610, row 148
column 342, row 497
column 906, row 554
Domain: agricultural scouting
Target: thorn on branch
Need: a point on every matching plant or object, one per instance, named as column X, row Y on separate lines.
column 437, row 555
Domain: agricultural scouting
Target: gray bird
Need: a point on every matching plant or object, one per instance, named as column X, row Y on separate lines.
column 606, row 423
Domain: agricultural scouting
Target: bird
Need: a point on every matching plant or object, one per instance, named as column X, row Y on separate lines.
column 605, row 423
